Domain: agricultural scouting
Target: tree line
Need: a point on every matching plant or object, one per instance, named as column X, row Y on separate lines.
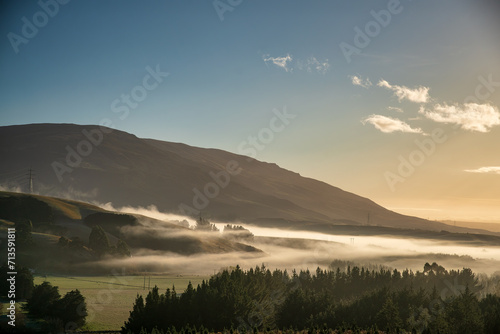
column 48, row 311
column 434, row 300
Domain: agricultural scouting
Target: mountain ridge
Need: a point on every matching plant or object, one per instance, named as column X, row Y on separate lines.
column 126, row 170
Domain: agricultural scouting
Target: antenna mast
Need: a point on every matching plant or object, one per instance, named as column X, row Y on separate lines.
column 31, row 181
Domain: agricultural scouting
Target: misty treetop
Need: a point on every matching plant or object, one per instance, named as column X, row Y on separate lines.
column 237, row 232
column 203, row 224
column 432, row 301
column 100, row 244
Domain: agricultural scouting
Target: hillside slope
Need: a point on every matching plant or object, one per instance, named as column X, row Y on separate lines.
column 125, row 170
column 52, row 218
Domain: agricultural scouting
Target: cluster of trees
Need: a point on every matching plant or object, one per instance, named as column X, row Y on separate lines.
column 432, row 301
column 237, row 232
column 110, row 221
column 24, row 227
column 44, row 304
column 230, row 231
column 24, row 282
column 202, row 330
column 28, row 214
column 23, row 208
column 203, row 224
column 66, row 313
column 98, row 242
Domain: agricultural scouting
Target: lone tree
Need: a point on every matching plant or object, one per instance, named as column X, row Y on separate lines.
column 71, row 309
column 63, row 242
column 98, row 240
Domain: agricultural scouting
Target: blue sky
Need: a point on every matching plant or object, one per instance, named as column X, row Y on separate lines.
column 225, row 78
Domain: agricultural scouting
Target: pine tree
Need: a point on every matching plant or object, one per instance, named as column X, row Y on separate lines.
column 490, row 307
column 122, row 248
column 136, row 319
column 389, row 316
column 464, row 315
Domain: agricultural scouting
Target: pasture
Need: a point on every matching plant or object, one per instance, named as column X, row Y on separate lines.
column 110, row 298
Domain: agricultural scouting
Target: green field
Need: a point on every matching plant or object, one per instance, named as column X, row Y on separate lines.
column 110, row 298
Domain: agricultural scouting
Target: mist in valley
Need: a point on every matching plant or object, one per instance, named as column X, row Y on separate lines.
column 290, row 249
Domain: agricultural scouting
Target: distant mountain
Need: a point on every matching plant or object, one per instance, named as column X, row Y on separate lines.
column 94, row 163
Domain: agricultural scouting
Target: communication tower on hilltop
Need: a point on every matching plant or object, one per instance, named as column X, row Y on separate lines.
column 30, row 181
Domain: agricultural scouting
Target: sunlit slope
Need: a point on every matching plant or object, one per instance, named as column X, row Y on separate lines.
column 62, row 209
column 55, row 217
column 125, row 170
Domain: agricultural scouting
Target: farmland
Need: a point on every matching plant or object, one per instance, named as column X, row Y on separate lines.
column 110, row 298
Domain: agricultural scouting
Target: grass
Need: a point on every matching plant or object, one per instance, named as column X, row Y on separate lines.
column 71, row 209
column 45, row 238
column 67, row 209
column 110, row 298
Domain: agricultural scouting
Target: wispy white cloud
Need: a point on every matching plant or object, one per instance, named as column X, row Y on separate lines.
column 316, row 65
column 388, row 124
column 395, row 109
column 470, row 116
column 152, row 212
column 418, row 95
column 311, row 64
column 485, row 170
column 358, row 81
column 282, row 62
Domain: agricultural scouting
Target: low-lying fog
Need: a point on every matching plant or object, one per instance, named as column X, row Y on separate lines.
column 302, row 250
column 384, row 244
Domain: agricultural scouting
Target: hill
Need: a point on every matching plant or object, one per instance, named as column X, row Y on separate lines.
column 95, row 163
column 60, row 236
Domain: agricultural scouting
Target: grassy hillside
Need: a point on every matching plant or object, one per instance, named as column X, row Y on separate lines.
column 130, row 171
column 59, row 240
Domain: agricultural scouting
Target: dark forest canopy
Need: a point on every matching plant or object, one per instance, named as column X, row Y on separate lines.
column 432, row 301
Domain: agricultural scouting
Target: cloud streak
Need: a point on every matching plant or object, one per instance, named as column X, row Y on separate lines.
column 358, row 81
column 389, row 125
column 417, row 95
column 282, row 62
column 312, row 64
column 396, row 109
column 484, row 170
column 470, row 116
column 320, row 67
column 151, row 212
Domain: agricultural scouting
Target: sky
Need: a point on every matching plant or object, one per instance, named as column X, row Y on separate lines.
column 397, row 101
